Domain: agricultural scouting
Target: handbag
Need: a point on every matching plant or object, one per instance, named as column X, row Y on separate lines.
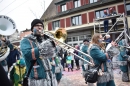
column 91, row 75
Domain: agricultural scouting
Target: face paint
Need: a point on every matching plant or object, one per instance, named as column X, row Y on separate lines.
column 35, row 31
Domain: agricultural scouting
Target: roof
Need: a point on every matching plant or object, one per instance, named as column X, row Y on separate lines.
column 51, row 10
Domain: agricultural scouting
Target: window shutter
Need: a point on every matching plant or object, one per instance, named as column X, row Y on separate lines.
column 68, row 21
column 84, row 18
column 58, row 8
column 68, row 5
column 86, row 1
column 82, row 2
column 71, row 5
column 50, row 26
column 62, row 23
column 121, row 8
column 91, row 17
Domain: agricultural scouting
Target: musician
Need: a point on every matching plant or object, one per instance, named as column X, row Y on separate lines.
column 96, row 51
column 3, row 61
column 13, row 55
column 35, row 47
column 85, row 49
column 123, row 58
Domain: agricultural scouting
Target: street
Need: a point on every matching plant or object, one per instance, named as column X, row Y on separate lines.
column 75, row 78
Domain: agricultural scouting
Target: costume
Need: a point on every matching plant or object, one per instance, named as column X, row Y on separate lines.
column 106, row 67
column 17, row 72
column 123, row 60
column 84, row 64
column 41, row 50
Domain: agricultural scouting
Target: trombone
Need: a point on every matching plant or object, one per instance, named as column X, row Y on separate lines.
column 60, row 35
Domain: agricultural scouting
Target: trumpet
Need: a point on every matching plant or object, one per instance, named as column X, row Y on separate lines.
column 60, row 35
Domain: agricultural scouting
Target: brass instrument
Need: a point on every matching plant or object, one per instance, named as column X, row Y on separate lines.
column 7, row 28
column 59, row 36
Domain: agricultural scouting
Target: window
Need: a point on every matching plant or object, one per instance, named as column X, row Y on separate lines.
column 77, row 3
column 76, row 20
column 56, row 24
column 128, row 9
column 63, row 7
column 100, row 13
column 93, row 1
column 69, row 39
column 81, row 38
column 75, row 38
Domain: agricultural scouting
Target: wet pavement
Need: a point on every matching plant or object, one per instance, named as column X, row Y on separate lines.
column 75, row 78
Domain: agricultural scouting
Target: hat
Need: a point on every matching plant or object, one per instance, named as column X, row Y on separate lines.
column 85, row 40
column 21, row 62
column 34, row 22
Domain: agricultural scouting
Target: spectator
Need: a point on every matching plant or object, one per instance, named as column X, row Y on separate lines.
column 107, row 39
column 112, row 13
column 17, row 72
column 105, row 21
column 68, row 61
column 77, row 58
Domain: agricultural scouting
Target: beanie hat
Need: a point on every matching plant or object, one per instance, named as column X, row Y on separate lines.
column 34, row 22
column 22, row 62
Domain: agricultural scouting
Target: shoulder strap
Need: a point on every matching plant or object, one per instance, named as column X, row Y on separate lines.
column 33, row 62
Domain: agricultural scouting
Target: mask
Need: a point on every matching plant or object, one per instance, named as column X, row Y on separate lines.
column 100, row 40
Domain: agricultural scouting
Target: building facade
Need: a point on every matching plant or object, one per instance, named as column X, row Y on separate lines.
column 77, row 17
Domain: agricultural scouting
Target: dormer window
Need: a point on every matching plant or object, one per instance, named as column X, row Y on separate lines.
column 77, row 3
column 63, row 7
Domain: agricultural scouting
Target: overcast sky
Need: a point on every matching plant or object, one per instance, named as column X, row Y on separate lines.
column 23, row 11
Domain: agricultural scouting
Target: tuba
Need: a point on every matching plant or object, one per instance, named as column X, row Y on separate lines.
column 7, row 28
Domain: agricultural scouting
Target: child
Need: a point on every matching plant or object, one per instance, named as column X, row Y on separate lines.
column 69, row 58
column 17, row 72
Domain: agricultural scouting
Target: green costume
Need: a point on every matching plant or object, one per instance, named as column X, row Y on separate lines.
column 17, row 72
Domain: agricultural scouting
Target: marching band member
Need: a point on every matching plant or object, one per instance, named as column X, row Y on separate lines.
column 123, row 58
column 34, row 47
column 85, row 49
column 96, row 51
column 3, row 61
